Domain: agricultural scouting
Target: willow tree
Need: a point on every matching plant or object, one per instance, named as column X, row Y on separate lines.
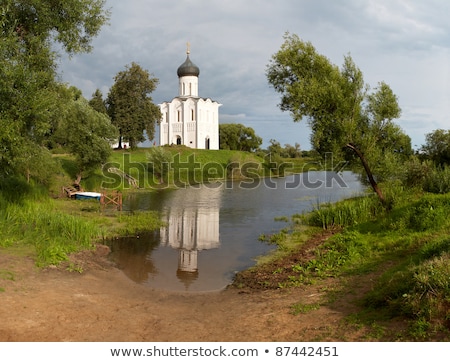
column 130, row 105
column 346, row 119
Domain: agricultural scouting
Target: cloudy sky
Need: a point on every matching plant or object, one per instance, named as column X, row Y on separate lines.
column 403, row 43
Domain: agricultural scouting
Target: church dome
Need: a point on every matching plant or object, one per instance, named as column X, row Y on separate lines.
column 188, row 69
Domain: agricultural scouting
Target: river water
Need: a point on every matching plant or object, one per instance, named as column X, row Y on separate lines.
column 212, row 230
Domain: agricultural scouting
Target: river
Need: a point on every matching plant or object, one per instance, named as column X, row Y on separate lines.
column 213, row 229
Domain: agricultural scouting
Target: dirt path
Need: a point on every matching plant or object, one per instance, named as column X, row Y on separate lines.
column 101, row 304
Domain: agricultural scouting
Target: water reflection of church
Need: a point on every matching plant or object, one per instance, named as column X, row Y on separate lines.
column 190, row 230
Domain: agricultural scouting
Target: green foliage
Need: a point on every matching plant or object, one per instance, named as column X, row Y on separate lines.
column 275, row 164
column 437, row 180
column 288, row 151
column 235, row 136
column 88, row 135
column 135, row 223
column 408, row 245
column 50, row 21
column 130, row 106
column 426, row 176
column 159, row 160
column 346, row 120
column 52, row 233
column 342, row 214
column 97, row 102
column 32, row 100
column 437, row 147
column 428, row 213
column 55, row 229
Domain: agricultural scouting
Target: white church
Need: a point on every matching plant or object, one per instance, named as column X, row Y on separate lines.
column 188, row 119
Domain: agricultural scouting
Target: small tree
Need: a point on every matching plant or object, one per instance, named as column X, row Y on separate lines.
column 235, row 136
column 130, row 106
column 88, row 135
column 437, row 147
column 97, row 102
column 159, row 162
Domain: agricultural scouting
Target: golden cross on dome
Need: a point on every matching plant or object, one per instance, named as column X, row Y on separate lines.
column 188, row 48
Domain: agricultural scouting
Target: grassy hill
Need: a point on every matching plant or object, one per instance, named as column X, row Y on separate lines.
column 187, row 166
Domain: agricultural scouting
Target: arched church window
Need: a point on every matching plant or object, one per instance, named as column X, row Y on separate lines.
column 192, row 115
column 179, row 116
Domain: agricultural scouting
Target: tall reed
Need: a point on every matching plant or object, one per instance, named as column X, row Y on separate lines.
column 54, row 234
column 345, row 213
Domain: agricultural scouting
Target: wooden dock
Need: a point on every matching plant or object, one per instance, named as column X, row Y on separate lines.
column 70, row 191
column 114, row 199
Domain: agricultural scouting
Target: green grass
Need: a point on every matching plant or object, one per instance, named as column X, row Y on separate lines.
column 57, row 228
column 300, row 308
column 408, row 247
column 188, row 166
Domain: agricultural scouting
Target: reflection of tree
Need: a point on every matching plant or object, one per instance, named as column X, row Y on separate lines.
column 147, row 201
column 132, row 256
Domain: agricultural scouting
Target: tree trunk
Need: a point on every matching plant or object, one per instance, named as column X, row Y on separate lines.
column 78, row 180
column 372, row 181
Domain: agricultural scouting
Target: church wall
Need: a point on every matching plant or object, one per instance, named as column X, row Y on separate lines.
column 188, row 86
column 208, row 124
column 190, row 123
column 189, row 119
column 164, row 125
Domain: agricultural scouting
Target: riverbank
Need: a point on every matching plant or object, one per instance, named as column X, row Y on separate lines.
column 101, row 304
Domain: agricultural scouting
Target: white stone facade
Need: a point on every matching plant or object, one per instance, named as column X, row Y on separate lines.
column 188, row 119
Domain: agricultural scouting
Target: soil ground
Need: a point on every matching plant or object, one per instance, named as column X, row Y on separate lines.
column 101, row 304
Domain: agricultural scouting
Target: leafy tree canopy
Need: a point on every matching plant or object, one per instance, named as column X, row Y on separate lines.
column 437, row 147
column 87, row 134
column 235, row 136
column 97, row 102
column 288, row 151
column 130, row 106
column 71, row 23
column 31, row 98
column 346, row 119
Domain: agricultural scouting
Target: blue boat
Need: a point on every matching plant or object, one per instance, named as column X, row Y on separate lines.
column 82, row 195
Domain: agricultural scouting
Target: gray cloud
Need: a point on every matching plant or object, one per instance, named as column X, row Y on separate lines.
column 403, row 43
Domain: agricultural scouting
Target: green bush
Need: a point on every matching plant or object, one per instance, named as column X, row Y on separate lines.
column 343, row 214
column 159, row 160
